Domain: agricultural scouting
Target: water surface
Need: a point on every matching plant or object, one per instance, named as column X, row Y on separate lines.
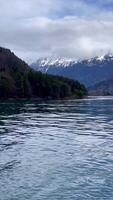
column 56, row 150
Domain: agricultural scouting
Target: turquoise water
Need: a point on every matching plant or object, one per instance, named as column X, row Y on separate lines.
column 56, row 150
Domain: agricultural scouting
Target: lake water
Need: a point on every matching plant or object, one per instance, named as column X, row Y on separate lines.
column 56, row 150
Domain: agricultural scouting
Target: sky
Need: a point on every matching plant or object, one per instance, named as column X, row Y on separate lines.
column 74, row 29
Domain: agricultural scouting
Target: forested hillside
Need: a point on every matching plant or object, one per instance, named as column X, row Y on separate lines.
column 18, row 80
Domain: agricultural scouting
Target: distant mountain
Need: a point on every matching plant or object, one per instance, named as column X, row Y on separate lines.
column 88, row 71
column 45, row 64
column 18, row 80
column 103, row 88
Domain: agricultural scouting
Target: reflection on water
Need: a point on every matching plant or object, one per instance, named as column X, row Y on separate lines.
column 56, row 150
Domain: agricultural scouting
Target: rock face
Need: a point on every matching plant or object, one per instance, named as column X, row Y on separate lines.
column 88, row 72
column 18, row 80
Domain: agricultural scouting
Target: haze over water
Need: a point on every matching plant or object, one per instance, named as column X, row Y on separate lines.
column 56, row 150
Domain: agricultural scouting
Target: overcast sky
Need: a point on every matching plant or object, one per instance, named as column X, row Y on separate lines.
column 63, row 28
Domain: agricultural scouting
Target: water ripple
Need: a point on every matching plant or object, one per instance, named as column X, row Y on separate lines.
column 56, row 149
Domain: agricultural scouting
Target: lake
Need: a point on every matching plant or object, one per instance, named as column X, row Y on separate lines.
column 56, row 150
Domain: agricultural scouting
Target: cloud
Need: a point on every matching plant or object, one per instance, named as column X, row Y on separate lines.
column 43, row 28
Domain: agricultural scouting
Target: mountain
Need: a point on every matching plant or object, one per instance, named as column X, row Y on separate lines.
column 101, row 89
column 45, row 64
column 18, row 80
column 9, row 61
column 88, row 71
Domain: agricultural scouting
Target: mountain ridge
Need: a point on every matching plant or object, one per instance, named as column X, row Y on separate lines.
column 87, row 71
column 103, row 88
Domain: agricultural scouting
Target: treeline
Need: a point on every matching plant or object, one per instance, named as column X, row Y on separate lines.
column 18, row 80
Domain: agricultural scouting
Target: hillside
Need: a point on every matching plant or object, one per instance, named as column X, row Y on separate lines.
column 101, row 89
column 18, row 80
column 89, row 72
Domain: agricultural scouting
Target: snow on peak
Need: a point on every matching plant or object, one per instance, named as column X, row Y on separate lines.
column 100, row 58
column 44, row 64
column 105, row 57
column 56, row 61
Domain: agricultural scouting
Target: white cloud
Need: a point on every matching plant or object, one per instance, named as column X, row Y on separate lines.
column 44, row 28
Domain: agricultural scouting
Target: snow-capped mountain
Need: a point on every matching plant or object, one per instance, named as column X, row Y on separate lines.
column 58, row 61
column 87, row 71
column 101, row 59
column 43, row 64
